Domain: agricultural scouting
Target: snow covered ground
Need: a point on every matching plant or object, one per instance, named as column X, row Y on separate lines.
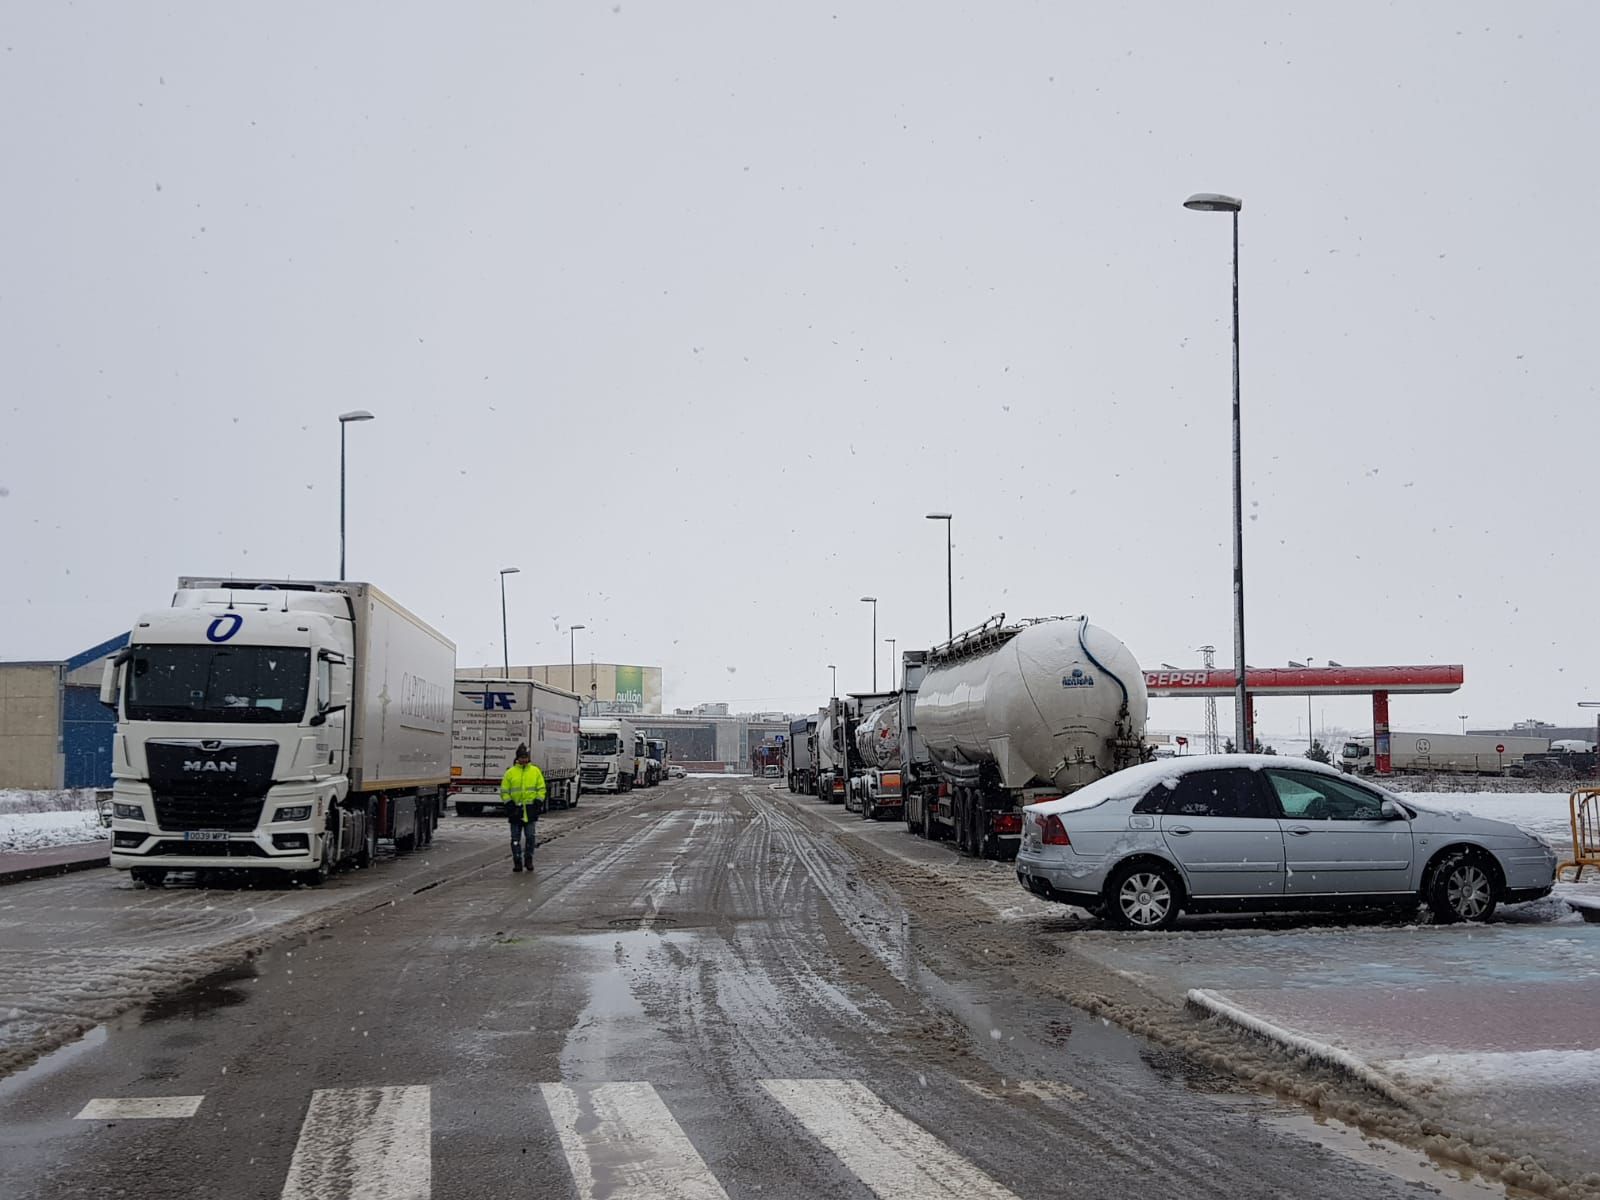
column 36, row 820
column 1544, row 813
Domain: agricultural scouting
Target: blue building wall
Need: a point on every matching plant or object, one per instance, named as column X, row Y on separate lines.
column 87, row 726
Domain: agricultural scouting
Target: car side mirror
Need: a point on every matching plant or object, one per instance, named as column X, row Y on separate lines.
column 1394, row 812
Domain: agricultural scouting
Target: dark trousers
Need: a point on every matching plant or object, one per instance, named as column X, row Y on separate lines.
column 522, row 834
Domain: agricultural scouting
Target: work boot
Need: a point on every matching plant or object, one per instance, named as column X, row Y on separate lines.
column 516, row 866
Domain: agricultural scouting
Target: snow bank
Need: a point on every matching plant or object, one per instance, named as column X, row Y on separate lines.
column 40, row 830
column 37, row 800
column 1493, row 1071
column 1300, row 1044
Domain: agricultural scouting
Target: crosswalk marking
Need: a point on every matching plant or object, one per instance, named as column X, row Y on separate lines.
column 1039, row 1089
column 895, row 1157
column 135, row 1108
column 371, row 1143
column 623, row 1144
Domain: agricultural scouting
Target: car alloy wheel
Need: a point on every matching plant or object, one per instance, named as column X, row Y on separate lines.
column 1145, row 900
column 1469, row 891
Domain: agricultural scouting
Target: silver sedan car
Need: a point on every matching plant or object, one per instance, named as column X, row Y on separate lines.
column 1242, row 832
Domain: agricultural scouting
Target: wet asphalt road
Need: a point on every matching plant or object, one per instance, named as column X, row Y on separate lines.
column 698, row 996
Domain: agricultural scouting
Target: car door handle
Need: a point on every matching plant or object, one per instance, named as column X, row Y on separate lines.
column 1298, row 830
column 1180, row 830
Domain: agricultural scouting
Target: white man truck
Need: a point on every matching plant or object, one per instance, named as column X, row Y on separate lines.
column 495, row 716
column 1441, row 753
column 276, row 725
column 610, row 750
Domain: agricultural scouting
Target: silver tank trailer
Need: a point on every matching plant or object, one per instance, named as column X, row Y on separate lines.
column 878, row 737
column 1060, row 704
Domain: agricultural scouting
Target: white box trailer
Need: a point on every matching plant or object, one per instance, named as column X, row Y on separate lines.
column 1441, row 753
column 492, row 718
column 277, row 724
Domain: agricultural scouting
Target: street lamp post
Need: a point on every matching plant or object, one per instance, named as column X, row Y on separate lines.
column 949, row 576
column 894, row 665
column 1310, row 736
column 1463, row 719
column 359, row 414
column 572, row 657
column 1212, row 202
column 505, row 638
column 873, row 600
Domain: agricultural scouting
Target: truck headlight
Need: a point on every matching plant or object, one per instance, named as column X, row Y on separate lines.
column 295, row 812
column 128, row 812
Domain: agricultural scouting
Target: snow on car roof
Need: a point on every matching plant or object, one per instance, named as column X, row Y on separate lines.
column 1136, row 781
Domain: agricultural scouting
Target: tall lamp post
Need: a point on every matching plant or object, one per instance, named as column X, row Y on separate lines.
column 1243, row 733
column 894, row 665
column 949, row 576
column 359, row 414
column 873, row 600
column 505, row 639
column 572, row 657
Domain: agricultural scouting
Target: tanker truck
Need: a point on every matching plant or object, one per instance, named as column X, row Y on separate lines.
column 832, row 774
column 875, row 789
column 1015, row 714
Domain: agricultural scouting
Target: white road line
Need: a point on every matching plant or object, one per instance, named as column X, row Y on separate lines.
column 370, row 1143
column 138, row 1108
column 895, row 1157
column 623, row 1144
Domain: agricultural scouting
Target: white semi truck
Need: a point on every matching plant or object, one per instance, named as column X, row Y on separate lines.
column 495, row 716
column 611, row 751
column 1014, row 714
column 1441, row 753
column 799, row 755
column 832, row 765
column 276, row 725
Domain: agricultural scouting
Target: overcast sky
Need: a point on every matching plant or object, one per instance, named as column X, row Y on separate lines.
column 692, row 311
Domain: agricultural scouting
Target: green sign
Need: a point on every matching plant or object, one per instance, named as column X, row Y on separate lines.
column 630, row 685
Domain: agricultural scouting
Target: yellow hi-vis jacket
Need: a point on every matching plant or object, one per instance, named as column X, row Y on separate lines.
column 523, row 789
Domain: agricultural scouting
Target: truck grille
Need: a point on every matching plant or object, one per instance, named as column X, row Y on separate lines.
column 594, row 776
column 236, row 814
column 208, row 849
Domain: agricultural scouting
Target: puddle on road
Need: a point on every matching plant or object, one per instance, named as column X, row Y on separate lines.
column 612, row 1025
column 58, row 1059
column 203, row 997
column 1452, row 1180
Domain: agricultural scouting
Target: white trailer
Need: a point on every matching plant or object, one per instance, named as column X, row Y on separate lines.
column 610, row 750
column 1441, row 753
column 495, row 716
column 1014, row 714
column 277, row 725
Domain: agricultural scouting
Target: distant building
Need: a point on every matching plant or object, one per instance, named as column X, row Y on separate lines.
column 604, row 687
column 54, row 732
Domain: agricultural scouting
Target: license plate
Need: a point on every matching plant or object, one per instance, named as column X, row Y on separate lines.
column 206, row 835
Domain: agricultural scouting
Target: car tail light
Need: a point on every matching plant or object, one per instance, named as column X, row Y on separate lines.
column 1011, row 822
column 1052, row 832
column 889, row 781
column 838, row 786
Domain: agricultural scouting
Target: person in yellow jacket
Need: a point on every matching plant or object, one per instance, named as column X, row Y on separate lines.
column 522, row 793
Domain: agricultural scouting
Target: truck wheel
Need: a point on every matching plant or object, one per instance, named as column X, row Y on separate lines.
column 144, row 877
column 318, row 874
column 369, row 841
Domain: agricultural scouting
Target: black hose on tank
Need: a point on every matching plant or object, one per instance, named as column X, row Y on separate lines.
column 1083, row 623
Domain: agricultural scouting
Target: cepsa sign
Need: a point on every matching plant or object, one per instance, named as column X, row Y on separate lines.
column 1166, row 679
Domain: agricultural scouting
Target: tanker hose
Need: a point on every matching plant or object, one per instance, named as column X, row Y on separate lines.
column 1083, row 623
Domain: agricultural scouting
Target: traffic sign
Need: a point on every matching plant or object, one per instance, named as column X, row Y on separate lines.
column 1500, row 749
column 1182, row 741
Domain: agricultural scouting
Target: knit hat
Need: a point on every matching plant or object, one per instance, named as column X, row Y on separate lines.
column 522, row 750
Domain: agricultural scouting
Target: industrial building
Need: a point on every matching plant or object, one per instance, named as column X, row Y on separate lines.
column 54, row 732
column 603, row 687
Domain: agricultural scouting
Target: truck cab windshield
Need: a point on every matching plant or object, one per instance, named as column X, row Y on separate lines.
column 218, row 683
column 599, row 743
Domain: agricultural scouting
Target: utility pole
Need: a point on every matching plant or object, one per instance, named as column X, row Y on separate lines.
column 1213, row 744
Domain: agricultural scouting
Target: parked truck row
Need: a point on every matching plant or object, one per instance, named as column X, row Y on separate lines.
column 291, row 726
column 1002, row 716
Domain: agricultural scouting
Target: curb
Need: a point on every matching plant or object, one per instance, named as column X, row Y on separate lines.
column 1212, row 1005
column 46, row 870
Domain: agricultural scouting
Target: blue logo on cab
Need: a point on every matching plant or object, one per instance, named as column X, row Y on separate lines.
column 224, row 627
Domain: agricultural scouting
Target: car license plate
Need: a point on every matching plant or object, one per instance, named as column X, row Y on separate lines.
column 206, row 835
